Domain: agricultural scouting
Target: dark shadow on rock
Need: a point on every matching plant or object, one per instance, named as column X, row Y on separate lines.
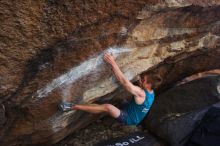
column 172, row 114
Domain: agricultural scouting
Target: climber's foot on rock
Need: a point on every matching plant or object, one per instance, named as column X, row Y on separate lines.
column 65, row 106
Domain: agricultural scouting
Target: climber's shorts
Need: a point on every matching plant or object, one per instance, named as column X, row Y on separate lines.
column 122, row 118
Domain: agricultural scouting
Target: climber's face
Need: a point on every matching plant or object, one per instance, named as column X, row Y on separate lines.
column 145, row 82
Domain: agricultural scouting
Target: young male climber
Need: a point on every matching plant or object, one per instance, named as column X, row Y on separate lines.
column 136, row 109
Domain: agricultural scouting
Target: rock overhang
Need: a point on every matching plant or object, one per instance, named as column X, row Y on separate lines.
column 172, row 47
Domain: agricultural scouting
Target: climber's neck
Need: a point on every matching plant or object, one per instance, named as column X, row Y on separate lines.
column 149, row 89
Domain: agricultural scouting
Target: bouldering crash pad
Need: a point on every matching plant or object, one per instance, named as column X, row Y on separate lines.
column 132, row 139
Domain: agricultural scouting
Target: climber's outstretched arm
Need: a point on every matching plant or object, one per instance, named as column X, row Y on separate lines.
column 135, row 90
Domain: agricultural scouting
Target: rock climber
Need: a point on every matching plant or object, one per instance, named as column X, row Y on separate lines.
column 135, row 110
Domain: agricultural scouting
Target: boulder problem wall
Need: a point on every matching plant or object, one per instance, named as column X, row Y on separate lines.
column 52, row 50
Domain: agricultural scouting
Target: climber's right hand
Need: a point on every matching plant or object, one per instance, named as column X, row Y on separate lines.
column 109, row 59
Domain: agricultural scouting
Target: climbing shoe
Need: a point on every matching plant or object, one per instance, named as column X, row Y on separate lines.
column 65, row 106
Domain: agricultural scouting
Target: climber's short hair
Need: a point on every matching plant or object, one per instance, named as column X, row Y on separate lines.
column 154, row 80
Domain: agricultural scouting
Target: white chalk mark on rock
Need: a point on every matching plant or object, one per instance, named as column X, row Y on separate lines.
column 66, row 94
column 78, row 71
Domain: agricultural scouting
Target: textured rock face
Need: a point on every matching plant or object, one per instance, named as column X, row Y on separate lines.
column 52, row 50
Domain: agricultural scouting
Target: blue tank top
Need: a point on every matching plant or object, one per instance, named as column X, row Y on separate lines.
column 137, row 112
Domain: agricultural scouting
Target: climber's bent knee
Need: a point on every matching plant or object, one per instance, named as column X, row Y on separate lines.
column 108, row 107
column 112, row 110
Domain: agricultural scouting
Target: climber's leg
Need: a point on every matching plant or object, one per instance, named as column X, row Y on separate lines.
column 96, row 108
